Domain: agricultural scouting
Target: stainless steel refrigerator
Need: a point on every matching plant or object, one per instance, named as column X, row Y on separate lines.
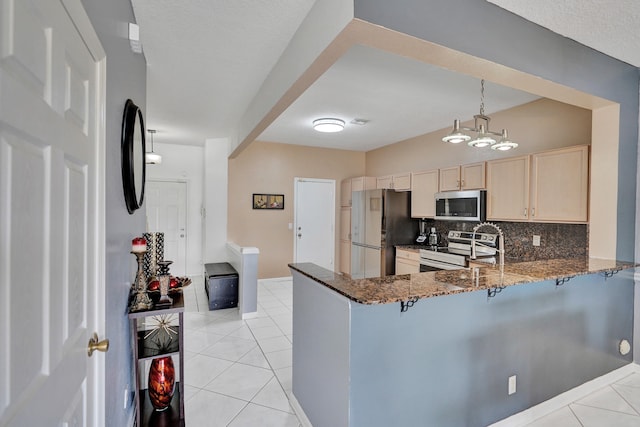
column 380, row 219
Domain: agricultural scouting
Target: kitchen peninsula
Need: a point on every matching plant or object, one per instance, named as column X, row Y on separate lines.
column 438, row 348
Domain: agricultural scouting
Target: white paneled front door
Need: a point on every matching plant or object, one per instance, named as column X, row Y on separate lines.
column 51, row 214
column 166, row 213
column 314, row 222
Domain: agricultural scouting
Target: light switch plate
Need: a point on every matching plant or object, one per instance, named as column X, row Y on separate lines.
column 536, row 240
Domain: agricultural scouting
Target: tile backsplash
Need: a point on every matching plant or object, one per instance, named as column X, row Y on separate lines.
column 556, row 240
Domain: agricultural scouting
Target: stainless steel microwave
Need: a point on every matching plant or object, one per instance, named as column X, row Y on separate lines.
column 461, row 205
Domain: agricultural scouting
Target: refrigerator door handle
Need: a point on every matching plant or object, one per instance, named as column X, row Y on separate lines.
column 364, row 245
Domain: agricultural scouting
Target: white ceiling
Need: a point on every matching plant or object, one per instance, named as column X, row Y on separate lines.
column 207, row 59
column 609, row 26
column 400, row 97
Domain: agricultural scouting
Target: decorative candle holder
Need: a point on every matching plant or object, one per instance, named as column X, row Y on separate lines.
column 165, row 299
column 155, row 254
column 163, row 267
column 141, row 300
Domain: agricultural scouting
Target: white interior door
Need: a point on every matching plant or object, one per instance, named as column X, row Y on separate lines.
column 314, row 223
column 52, row 209
column 166, row 212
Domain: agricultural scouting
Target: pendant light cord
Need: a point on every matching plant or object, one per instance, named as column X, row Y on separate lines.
column 482, row 97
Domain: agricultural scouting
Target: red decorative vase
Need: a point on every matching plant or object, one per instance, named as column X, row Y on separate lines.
column 162, row 376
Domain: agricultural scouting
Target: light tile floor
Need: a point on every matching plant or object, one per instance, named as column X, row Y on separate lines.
column 238, row 372
column 617, row 405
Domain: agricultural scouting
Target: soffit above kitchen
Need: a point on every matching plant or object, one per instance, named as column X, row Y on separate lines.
column 208, row 59
column 400, row 98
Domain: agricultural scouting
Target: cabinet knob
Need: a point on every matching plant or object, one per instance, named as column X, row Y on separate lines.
column 525, row 211
column 94, row 345
column 533, row 211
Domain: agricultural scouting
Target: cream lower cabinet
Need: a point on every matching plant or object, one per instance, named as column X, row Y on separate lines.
column 407, row 262
column 424, row 186
column 552, row 186
column 345, row 240
column 465, row 177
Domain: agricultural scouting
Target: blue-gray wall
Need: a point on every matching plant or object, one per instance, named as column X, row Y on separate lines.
column 446, row 361
column 126, row 78
column 487, row 31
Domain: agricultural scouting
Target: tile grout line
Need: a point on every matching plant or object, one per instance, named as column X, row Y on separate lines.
column 203, row 328
column 623, row 398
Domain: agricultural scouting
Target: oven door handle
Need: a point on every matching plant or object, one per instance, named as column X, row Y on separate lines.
column 440, row 265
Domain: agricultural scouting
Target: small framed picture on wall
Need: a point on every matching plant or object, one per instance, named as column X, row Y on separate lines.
column 268, row 201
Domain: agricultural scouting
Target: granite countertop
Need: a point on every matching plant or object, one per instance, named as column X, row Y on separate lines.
column 405, row 287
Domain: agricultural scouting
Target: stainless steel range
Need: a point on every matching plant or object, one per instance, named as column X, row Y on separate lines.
column 456, row 254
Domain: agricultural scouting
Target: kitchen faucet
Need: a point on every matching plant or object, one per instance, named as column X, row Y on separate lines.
column 500, row 242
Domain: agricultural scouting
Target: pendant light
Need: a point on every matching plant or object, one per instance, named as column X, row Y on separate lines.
column 152, row 158
column 484, row 137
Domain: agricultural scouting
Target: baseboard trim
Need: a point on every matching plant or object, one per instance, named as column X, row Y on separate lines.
column 302, row 417
column 545, row 408
column 250, row 315
column 274, row 279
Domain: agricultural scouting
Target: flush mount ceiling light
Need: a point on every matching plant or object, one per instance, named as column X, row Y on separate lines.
column 152, row 158
column 328, row 125
column 484, row 137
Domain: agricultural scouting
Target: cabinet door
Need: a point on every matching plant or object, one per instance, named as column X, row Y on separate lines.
column 424, row 186
column 473, row 176
column 345, row 223
column 407, row 262
column 402, row 182
column 508, row 189
column 345, row 256
column 383, row 182
column 345, row 192
column 560, row 185
column 450, row 179
column 357, row 184
column 404, row 266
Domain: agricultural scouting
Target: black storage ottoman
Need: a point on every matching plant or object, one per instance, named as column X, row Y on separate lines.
column 221, row 285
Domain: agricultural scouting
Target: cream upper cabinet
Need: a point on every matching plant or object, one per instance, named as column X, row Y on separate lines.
column 473, row 176
column 552, row 186
column 465, row 177
column 450, row 179
column 424, row 186
column 508, row 189
column 345, row 192
column 384, row 182
column 560, row 185
column 362, row 183
column 398, row 182
column 349, row 185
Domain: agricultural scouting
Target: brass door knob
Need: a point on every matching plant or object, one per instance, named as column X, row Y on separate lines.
column 94, row 345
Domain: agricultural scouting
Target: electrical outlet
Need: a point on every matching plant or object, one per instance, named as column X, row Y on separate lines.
column 126, row 397
column 512, row 384
column 536, row 240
